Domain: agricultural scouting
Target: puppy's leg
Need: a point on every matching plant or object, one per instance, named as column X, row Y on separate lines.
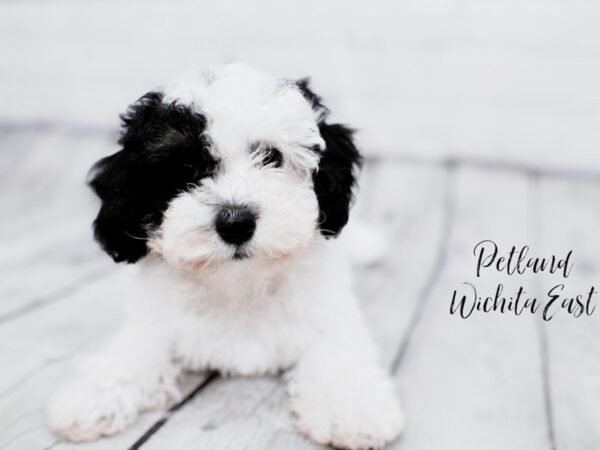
column 134, row 373
column 341, row 396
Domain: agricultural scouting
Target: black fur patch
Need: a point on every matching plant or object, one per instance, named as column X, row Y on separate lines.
column 164, row 152
column 340, row 163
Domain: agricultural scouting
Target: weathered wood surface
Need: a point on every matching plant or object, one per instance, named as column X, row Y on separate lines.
column 569, row 220
column 47, row 215
column 466, row 382
column 484, row 382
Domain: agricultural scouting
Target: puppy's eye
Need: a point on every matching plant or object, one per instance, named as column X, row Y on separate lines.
column 266, row 154
column 272, row 157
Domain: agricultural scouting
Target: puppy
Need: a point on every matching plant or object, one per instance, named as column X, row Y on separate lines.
column 227, row 194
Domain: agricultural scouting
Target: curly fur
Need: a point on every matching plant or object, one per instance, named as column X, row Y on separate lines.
column 225, row 193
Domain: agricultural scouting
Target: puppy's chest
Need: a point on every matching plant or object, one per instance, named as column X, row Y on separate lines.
column 245, row 335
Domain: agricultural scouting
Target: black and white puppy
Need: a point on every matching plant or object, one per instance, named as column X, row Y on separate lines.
column 227, row 191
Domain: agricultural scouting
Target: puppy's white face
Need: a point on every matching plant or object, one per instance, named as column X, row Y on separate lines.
column 259, row 201
column 224, row 166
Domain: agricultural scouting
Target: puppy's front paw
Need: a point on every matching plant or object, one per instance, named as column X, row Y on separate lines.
column 85, row 411
column 351, row 420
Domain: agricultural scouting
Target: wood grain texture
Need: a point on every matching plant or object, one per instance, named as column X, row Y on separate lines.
column 569, row 220
column 476, row 383
column 485, row 382
column 40, row 350
column 57, row 290
column 45, row 233
column 37, row 353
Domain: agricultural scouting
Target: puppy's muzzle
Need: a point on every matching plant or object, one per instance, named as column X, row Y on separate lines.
column 235, row 224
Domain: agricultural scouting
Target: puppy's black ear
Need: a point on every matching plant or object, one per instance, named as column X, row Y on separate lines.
column 340, row 162
column 336, row 178
column 162, row 153
column 117, row 228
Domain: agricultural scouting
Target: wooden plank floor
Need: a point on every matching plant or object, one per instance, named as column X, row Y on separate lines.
column 487, row 382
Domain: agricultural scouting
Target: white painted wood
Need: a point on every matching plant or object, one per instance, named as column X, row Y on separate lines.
column 253, row 414
column 570, row 220
column 39, row 351
column 57, row 290
column 476, row 383
column 466, row 384
column 248, row 413
column 408, row 205
column 36, row 356
column 45, row 232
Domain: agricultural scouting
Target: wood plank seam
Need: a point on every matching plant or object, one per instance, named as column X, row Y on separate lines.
column 51, row 446
column 436, row 270
column 55, row 296
column 171, row 411
column 536, row 221
column 492, row 166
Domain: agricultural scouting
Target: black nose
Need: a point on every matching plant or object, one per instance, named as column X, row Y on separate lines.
column 235, row 224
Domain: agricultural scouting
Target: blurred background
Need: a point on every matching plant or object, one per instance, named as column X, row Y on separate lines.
column 494, row 79
column 480, row 119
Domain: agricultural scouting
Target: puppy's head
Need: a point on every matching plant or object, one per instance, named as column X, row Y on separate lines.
column 226, row 165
